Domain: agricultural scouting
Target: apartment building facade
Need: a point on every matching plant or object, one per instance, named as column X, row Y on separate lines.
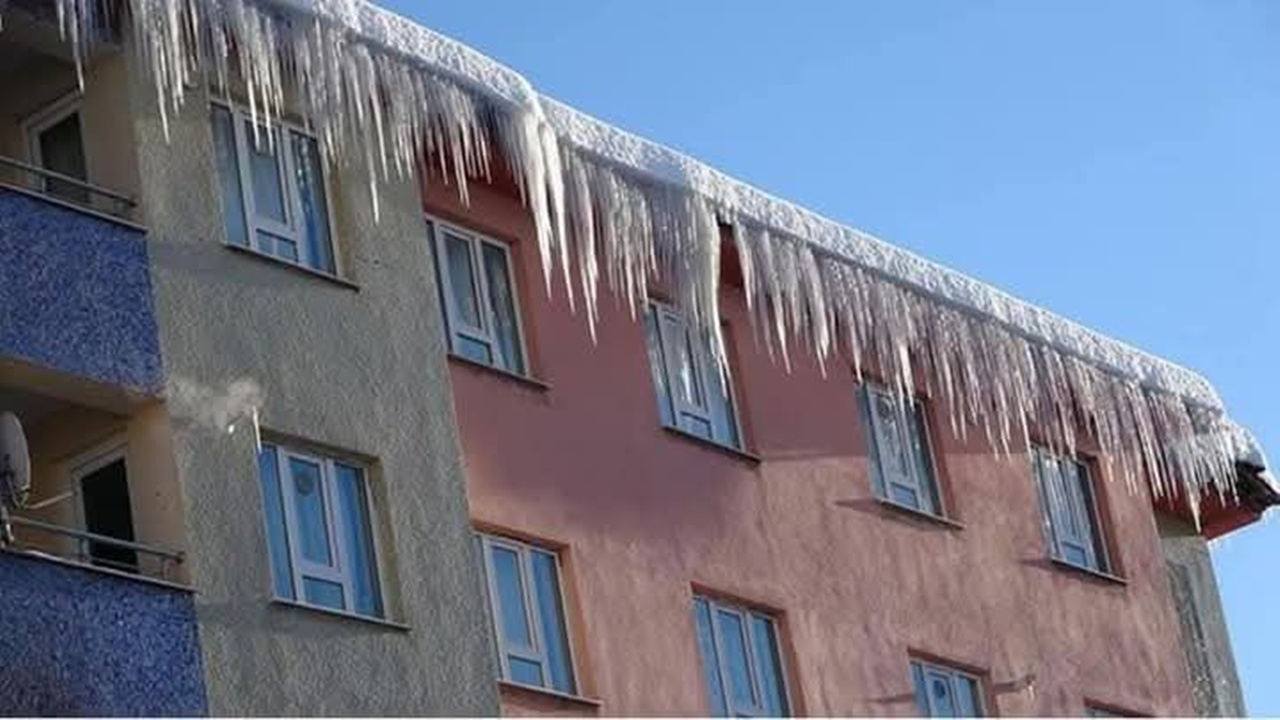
column 313, row 437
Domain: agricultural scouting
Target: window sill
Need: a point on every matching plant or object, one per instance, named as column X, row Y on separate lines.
column 532, row 383
column 380, row 622
column 911, row 512
column 514, row 688
column 1088, row 572
column 319, row 274
column 712, row 445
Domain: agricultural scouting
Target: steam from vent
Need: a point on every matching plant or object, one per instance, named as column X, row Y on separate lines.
column 219, row 409
column 612, row 209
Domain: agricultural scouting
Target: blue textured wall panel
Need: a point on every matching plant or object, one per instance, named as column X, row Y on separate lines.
column 78, row 642
column 75, row 294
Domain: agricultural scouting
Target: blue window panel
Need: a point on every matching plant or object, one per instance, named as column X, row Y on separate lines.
column 358, row 541
column 228, row 159
column 769, row 662
column 554, row 636
column 277, row 536
column 710, row 658
column 737, row 664
column 324, row 593
column 501, row 301
column 315, row 208
column 514, row 616
column 524, row 671
column 917, row 682
column 473, row 350
column 312, row 515
column 657, row 366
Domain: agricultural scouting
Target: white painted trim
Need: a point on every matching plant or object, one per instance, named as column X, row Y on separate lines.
column 705, row 373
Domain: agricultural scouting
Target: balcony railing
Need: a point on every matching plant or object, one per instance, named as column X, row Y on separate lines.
column 97, row 550
column 65, row 188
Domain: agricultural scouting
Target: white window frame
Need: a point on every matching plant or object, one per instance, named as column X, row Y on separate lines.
column 293, row 229
column 744, row 615
column 952, row 675
column 47, row 117
column 915, row 415
column 340, row 572
column 1075, row 502
column 704, row 370
column 537, row 653
column 486, row 335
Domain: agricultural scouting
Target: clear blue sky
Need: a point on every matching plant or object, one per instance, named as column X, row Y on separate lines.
column 1118, row 163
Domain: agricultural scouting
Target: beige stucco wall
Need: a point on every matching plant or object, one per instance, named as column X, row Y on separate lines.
column 357, row 370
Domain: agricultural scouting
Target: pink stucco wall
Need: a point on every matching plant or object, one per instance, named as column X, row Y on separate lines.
column 644, row 517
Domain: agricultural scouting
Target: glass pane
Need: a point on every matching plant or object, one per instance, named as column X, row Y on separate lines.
column 873, row 453
column 968, row 697
column 723, row 421
column 264, row 171
column 278, row 246
column 62, row 151
column 546, row 581
column 922, row 693
column 510, row 585
column 462, row 278
column 941, row 701
column 736, row 662
column 323, row 593
column 925, row 479
column 696, row 426
column 890, row 434
column 1074, row 554
column 658, row 367
column 506, row 328
column 315, row 210
column 525, row 671
column 688, row 383
column 309, row 507
column 904, row 496
column 473, row 349
column 228, row 159
column 277, row 537
column 353, row 503
column 769, row 663
column 710, row 658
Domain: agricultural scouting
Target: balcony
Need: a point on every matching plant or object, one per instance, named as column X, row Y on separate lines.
column 78, row 642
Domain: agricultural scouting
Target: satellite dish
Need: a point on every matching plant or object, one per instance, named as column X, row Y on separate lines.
column 15, row 462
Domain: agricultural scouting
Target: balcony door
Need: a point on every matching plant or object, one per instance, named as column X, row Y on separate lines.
column 56, row 136
column 103, row 486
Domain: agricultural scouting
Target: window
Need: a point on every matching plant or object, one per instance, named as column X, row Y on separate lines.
column 902, row 469
column 523, row 584
column 740, row 659
column 1069, row 511
column 478, row 295
column 693, row 395
column 57, row 144
column 102, row 482
column 319, row 531
column 274, row 199
column 946, row 692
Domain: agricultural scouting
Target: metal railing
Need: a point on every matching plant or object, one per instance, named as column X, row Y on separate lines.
column 68, row 189
column 102, row 550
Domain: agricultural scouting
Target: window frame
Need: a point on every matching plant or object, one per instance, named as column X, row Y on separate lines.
column 745, row 613
column 341, row 572
column 455, row 326
column 43, row 120
column 286, row 166
column 953, row 674
column 705, row 372
column 918, row 419
column 1096, row 548
column 532, row 611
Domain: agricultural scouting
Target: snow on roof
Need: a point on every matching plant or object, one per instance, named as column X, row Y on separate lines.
column 609, row 205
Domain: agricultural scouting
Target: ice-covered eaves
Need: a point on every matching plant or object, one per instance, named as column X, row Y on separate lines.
column 614, row 210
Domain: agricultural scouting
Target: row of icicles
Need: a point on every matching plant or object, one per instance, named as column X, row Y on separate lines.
column 596, row 220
